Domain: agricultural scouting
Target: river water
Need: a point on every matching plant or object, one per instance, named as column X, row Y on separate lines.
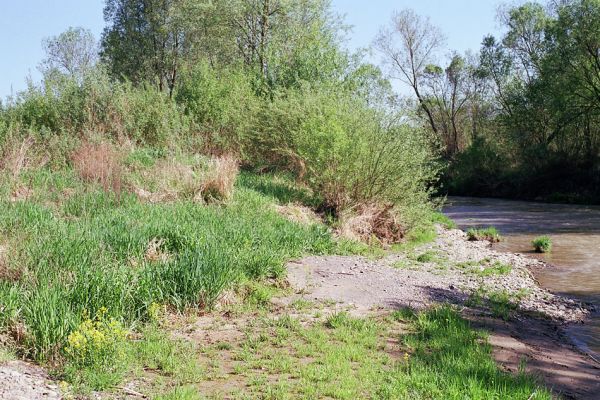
column 575, row 233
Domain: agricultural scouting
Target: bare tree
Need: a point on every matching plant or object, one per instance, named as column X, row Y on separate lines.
column 408, row 46
column 73, row 52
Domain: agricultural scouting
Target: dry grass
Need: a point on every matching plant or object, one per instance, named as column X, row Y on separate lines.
column 218, row 181
column 20, row 155
column 371, row 222
column 298, row 213
column 155, row 251
column 171, row 180
column 99, row 163
column 7, row 272
column 21, row 193
column 203, row 182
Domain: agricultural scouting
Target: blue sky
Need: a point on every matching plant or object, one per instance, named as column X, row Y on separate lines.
column 23, row 25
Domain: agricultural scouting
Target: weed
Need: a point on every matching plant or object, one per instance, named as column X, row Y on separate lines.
column 490, row 234
column 96, row 351
column 99, row 163
column 542, row 244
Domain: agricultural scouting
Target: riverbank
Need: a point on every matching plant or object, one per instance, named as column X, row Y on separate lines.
column 350, row 326
column 496, row 291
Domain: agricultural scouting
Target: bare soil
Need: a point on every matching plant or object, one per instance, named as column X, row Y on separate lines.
column 23, row 381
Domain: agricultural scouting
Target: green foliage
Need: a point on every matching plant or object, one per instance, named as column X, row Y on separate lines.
column 345, row 151
column 544, row 140
column 90, row 251
column 490, row 234
column 97, row 106
column 542, row 244
column 222, row 105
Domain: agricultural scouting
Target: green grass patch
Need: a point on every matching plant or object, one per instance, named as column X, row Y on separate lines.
column 501, row 303
column 442, row 219
column 485, row 269
column 490, row 234
column 93, row 250
column 345, row 357
column 542, row 244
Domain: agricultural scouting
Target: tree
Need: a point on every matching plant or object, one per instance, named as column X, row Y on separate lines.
column 73, row 53
column 143, row 42
column 408, row 46
column 449, row 93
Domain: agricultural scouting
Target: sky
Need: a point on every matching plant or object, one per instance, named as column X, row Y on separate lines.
column 25, row 23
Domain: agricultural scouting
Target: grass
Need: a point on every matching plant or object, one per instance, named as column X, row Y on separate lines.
column 485, row 268
column 542, row 244
column 78, row 249
column 6, row 354
column 88, row 250
column 446, row 222
column 501, row 303
column 490, row 234
column 404, row 355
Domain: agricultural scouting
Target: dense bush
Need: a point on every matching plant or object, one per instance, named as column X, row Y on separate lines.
column 347, row 152
column 221, row 104
column 97, row 106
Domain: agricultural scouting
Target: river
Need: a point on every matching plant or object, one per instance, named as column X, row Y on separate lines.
column 575, row 234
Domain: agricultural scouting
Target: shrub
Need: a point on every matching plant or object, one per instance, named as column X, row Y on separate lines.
column 542, row 244
column 490, row 234
column 99, row 106
column 348, row 153
column 222, row 106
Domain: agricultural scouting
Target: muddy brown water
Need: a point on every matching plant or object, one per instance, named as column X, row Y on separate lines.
column 575, row 234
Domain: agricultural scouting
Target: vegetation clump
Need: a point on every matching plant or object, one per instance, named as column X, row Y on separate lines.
column 542, row 244
column 490, row 234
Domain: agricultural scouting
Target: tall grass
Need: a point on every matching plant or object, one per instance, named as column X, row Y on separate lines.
column 89, row 251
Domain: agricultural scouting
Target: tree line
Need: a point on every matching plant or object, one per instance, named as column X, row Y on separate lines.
column 521, row 117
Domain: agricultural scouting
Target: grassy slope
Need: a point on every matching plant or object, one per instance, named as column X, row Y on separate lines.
column 76, row 249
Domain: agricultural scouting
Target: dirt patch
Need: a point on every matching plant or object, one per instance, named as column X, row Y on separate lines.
column 22, row 381
column 456, row 270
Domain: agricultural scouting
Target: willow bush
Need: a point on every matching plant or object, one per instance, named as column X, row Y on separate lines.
column 347, row 152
